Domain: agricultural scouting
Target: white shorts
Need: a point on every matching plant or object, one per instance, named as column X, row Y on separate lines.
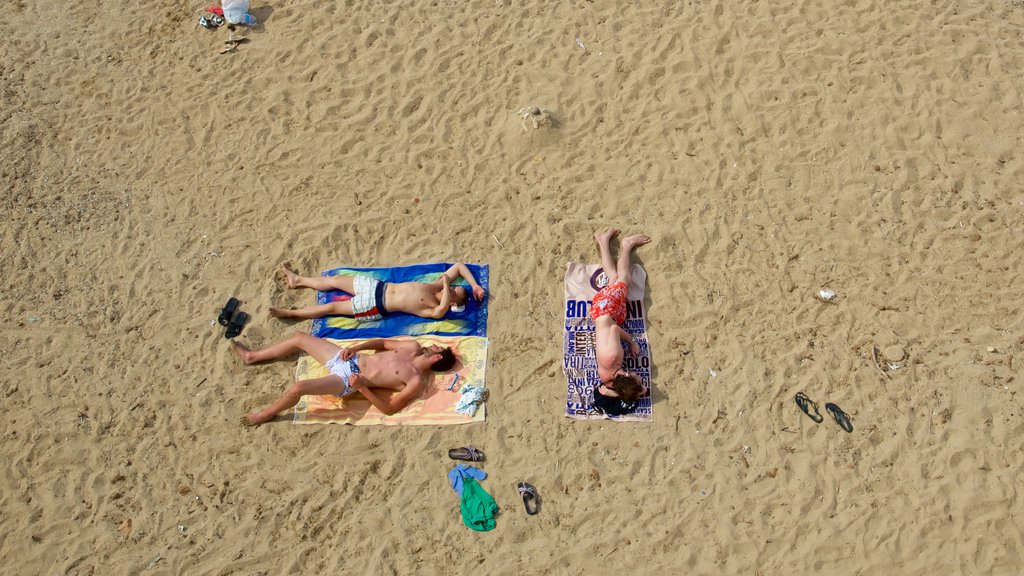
column 368, row 300
column 344, row 369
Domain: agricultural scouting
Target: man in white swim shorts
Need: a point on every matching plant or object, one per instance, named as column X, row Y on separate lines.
column 368, row 300
column 373, row 299
column 401, row 366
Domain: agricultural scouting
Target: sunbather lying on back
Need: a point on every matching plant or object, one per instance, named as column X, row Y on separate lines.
column 620, row 389
column 402, row 366
column 373, row 299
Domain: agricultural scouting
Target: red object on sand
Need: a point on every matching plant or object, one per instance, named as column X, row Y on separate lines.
column 216, row 10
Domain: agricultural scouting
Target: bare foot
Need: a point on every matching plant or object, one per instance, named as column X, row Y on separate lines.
column 255, row 419
column 243, row 352
column 630, row 242
column 289, row 275
column 280, row 312
column 605, row 236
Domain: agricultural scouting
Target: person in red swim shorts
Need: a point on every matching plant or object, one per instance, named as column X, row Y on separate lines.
column 609, row 312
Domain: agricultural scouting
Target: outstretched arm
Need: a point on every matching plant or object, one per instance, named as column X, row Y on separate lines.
column 634, row 348
column 376, row 344
column 446, row 301
column 395, row 402
column 462, row 270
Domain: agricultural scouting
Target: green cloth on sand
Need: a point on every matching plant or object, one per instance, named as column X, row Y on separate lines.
column 478, row 508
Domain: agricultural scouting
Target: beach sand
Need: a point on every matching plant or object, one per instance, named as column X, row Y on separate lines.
column 771, row 151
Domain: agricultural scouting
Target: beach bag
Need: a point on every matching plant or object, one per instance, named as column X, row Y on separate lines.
column 236, row 11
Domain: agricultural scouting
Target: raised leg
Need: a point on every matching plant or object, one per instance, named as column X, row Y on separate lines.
column 317, row 386
column 322, row 283
column 322, row 350
column 604, row 239
column 625, row 252
column 340, row 308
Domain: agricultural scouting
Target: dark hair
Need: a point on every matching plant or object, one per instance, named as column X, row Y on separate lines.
column 465, row 296
column 445, row 363
column 627, row 386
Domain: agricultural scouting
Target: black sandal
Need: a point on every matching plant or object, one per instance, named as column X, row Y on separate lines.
column 530, row 498
column 228, row 311
column 841, row 417
column 806, row 404
column 236, row 325
column 467, row 453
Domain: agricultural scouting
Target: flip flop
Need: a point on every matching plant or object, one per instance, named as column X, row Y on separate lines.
column 530, row 498
column 841, row 417
column 228, row 311
column 467, row 453
column 236, row 325
column 806, row 404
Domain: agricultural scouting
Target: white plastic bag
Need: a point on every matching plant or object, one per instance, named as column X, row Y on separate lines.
column 237, row 12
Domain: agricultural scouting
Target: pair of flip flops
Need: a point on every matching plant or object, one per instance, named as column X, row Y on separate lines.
column 531, row 500
column 810, row 408
column 233, row 318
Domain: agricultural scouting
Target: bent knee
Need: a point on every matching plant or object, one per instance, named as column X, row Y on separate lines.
column 303, row 388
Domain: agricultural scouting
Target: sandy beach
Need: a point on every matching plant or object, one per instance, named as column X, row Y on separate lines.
column 771, row 150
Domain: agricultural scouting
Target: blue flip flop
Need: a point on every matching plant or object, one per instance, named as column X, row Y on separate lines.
column 841, row 417
column 806, row 404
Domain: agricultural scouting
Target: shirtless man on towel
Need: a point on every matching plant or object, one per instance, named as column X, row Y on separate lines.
column 373, row 299
column 620, row 390
column 403, row 366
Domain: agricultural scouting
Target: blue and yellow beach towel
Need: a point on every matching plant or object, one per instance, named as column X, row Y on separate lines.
column 470, row 322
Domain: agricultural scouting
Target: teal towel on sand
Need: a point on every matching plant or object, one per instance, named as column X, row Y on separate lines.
column 478, row 508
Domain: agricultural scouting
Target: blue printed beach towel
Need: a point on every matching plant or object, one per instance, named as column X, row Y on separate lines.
column 579, row 363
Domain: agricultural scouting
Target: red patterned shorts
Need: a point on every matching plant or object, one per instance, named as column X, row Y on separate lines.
column 610, row 301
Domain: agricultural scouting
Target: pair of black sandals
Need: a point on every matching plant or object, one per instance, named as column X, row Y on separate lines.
column 810, row 408
column 531, row 500
column 233, row 318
